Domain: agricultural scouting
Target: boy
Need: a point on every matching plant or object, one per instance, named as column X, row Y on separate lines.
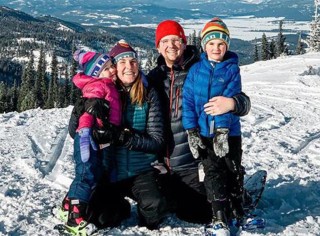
column 216, row 139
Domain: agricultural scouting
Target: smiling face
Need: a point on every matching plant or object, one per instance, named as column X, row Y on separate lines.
column 216, row 49
column 127, row 70
column 109, row 71
column 171, row 47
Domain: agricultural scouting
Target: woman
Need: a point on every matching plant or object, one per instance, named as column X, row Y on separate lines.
column 134, row 148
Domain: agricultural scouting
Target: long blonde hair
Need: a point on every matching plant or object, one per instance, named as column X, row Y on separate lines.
column 138, row 91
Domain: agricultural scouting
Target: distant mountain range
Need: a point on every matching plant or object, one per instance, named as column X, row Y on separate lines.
column 124, row 12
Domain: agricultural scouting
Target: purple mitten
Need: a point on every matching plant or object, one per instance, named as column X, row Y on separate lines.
column 85, row 142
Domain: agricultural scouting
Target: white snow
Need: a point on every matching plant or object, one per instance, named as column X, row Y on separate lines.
column 281, row 134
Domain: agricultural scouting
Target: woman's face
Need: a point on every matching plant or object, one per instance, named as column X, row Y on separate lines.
column 127, row 70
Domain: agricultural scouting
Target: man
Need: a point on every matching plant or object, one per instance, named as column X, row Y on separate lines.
column 184, row 189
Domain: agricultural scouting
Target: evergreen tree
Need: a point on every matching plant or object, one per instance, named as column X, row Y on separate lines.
column 151, row 61
column 67, row 87
column 3, row 97
column 256, row 53
column 299, row 48
column 314, row 36
column 13, row 97
column 281, row 40
column 52, row 97
column 264, row 48
column 26, row 99
column 75, row 93
column 272, row 49
column 40, row 85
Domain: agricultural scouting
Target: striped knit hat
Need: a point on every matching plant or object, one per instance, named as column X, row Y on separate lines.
column 121, row 50
column 215, row 29
column 92, row 63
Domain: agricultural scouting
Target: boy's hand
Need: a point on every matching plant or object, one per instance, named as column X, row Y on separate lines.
column 195, row 142
column 220, row 142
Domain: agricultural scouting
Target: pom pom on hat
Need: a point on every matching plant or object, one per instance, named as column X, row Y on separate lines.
column 121, row 50
column 91, row 62
column 169, row 27
column 215, row 29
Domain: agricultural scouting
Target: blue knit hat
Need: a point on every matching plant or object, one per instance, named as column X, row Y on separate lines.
column 92, row 63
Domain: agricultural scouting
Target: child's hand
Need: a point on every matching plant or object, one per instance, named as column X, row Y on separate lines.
column 86, row 142
column 220, row 142
column 195, row 142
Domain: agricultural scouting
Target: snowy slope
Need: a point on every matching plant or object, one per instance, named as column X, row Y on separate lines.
column 281, row 134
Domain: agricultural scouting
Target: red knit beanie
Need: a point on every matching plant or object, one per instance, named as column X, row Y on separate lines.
column 169, row 27
column 121, row 50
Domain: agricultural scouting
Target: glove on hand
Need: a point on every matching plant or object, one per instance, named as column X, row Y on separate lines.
column 220, row 142
column 99, row 108
column 102, row 135
column 122, row 136
column 195, row 142
column 85, row 142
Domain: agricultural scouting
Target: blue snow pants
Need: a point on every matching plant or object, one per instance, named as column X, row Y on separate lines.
column 87, row 174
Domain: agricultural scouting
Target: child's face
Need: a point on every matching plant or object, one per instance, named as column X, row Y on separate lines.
column 109, row 71
column 215, row 49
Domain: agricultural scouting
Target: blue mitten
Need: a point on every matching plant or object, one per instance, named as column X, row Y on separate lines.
column 85, row 142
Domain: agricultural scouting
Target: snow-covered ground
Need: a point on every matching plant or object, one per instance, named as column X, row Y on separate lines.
column 281, row 134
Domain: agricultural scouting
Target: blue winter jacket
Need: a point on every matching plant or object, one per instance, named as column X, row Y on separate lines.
column 204, row 82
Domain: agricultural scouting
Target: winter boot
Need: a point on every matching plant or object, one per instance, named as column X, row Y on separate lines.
column 77, row 223
column 62, row 211
column 218, row 227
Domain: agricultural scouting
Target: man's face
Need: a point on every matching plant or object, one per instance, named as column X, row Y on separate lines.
column 171, row 47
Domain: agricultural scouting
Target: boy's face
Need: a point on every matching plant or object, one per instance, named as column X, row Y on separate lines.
column 109, row 71
column 171, row 47
column 215, row 49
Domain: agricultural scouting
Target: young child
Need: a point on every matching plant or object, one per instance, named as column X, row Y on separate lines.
column 95, row 81
column 216, row 139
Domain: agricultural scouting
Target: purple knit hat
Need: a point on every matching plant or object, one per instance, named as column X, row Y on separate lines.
column 92, row 63
column 121, row 50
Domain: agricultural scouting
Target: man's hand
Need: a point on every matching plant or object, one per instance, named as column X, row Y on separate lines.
column 219, row 105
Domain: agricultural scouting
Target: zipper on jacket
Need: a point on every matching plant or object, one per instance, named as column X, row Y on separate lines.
column 171, row 89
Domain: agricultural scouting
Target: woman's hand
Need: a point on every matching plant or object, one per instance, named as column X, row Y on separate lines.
column 219, row 105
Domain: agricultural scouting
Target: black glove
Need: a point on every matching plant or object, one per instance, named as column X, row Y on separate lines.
column 122, row 136
column 195, row 142
column 220, row 142
column 99, row 108
column 102, row 135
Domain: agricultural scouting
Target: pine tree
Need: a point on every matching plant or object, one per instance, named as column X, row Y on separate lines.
column 75, row 93
column 52, row 97
column 13, row 97
column 40, row 85
column 26, row 99
column 272, row 49
column 314, row 36
column 3, row 97
column 256, row 53
column 264, row 47
column 67, row 87
column 299, row 48
column 280, row 40
column 151, row 61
